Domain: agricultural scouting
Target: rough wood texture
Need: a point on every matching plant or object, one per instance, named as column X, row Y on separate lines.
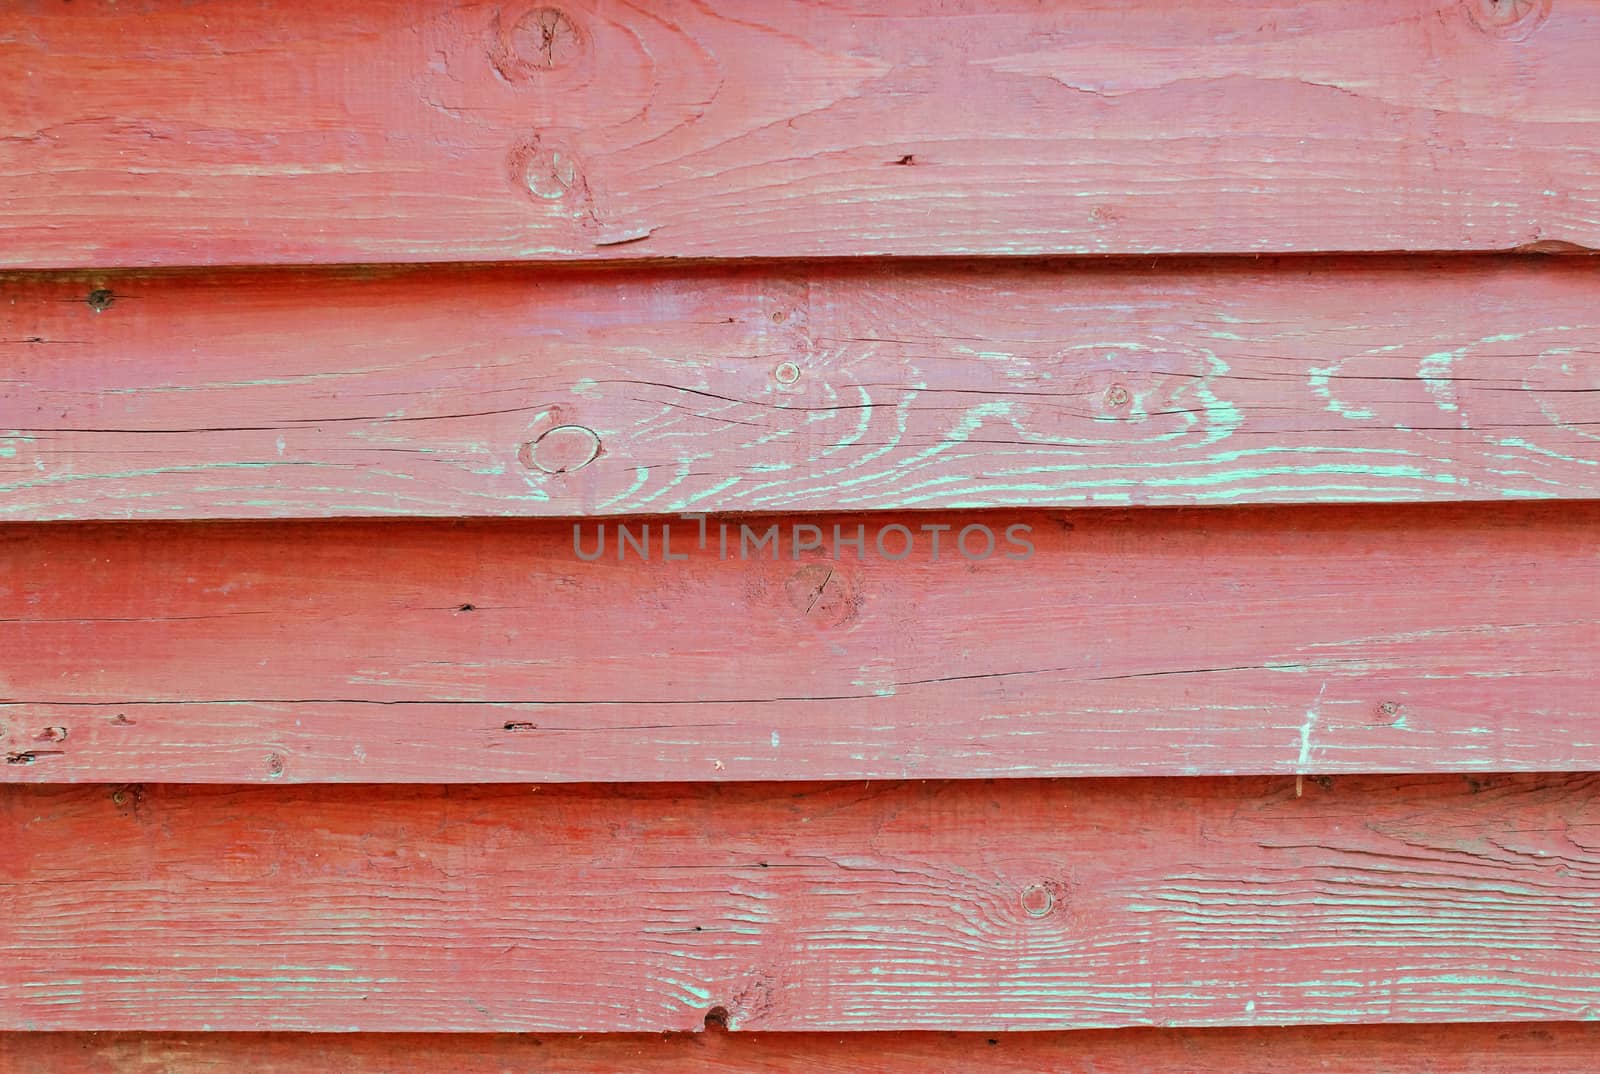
column 1556, row 1048
column 1147, row 642
column 174, row 132
column 965, row 905
column 506, row 392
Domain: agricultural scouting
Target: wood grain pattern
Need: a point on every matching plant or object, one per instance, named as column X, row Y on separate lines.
column 798, row 388
column 173, row 132
column 1555, row 1048
column 965, row 905
column 1145, row 642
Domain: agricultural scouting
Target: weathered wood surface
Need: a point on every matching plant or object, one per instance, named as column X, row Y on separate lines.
column 1439, row 638
column 798, row 388
column 958, row 906
column 1506, row 1048
column 173, row 132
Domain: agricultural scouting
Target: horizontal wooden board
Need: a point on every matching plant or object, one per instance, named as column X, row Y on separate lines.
column 798, row 388
column 1146, row 642
column 1555, row 1048
column 956, row 906
column 170, row 132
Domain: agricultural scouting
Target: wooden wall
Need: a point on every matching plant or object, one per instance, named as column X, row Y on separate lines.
column 491, row 503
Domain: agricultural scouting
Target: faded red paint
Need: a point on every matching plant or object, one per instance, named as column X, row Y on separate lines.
column 840, row 907
column 575, row 799
column 1314, row 640
column 1556, row 1048
column 171, row 133
column 799, row 388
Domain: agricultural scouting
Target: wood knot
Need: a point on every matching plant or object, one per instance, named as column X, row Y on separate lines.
column 128, row 798
column 541, row 40
column 1043, row 898
column 563, row 449
column 100, row 299
column 1510, row 19
column 787, row 373
column 1117, row 395
column 546, row 171
column 825, row 594
column 545, row 38
column 1037, row 900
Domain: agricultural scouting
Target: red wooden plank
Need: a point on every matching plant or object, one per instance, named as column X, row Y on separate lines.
column 176, row 132
column 1555, row 1048
column 966, row 905
column 798, row 387
column 1153, row 642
